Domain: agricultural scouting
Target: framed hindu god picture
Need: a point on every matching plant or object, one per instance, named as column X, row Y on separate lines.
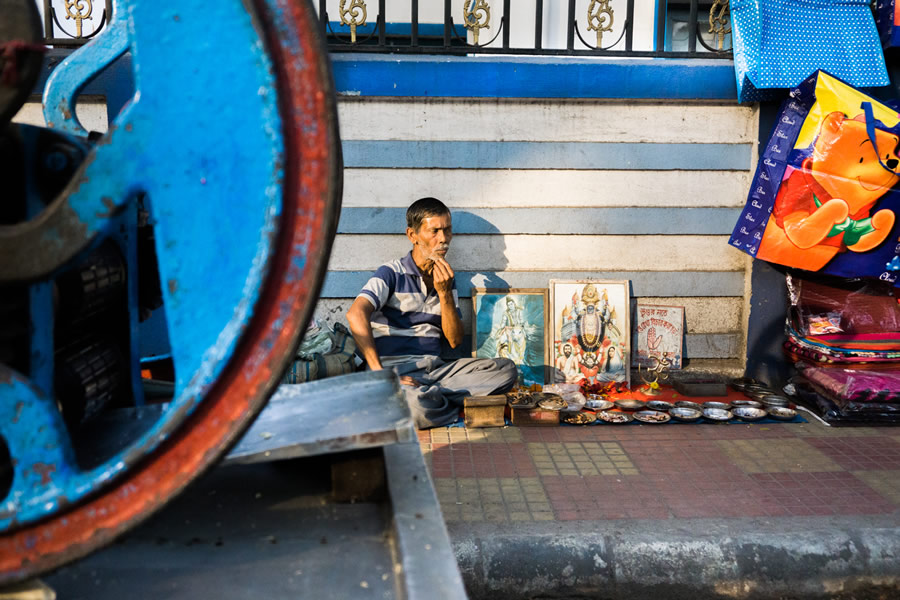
column 512, row 323
column 590, row 331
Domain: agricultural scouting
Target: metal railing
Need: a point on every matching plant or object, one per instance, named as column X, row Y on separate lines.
column 64, row 20
column 601, row 30
column 678, row 29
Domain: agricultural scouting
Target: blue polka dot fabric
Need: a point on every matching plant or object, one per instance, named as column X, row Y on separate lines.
column 779, row 43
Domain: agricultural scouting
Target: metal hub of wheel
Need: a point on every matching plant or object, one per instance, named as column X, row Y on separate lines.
column 215, row 191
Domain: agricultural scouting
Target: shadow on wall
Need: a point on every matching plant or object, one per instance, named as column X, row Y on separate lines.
column 493, row 262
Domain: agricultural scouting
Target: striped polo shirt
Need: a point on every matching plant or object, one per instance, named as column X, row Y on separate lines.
column 406, row 322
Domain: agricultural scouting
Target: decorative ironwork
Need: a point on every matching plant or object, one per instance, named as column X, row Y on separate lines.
column 351, row 16
column 600, row 18
column 719, row 21
column 75, row 9
column 472, row 18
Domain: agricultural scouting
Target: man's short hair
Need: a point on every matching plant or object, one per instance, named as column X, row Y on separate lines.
column 423, row 208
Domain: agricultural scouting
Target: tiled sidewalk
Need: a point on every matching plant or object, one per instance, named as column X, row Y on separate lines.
column 663, row 471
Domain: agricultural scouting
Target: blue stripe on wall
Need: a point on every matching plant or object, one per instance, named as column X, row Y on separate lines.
column 546, row 155
column 591, row 221
column 533, row 77
column 347, row 284
column 482, row 77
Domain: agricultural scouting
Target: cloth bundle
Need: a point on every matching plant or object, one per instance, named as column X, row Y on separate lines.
column 844, row 337
column 322, row 353
column 841, row 323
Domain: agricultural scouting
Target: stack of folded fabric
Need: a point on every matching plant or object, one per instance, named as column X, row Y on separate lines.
column 863, row 351
column 852, row 395
column 844, row 337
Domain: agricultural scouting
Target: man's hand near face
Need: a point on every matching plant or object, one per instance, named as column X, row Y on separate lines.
column 442, row 273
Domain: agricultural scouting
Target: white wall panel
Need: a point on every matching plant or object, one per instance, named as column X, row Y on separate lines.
column 499, row 188
column 91, row 113
column 581, row 121
column 552, row 252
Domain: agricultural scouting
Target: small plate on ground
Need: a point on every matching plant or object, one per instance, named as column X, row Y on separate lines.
column 609, row 416
column 748, row 413
column 651, row 416
column 757, row 394
column 599, row 404
column 551, row 401
column 521, row 400
column 717, row 414
column 680, row 413
column 578, row 418
column 630, row 404
column 746, row 404
column 775, row 400
column 689, row 404
column 741, row 383
column 659, row 405
column 782, row 413
column 757, row 387
column 719, row 405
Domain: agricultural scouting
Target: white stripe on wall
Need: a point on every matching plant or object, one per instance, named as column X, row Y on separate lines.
column 460, row 188
column 593, row 121
column 552, row 252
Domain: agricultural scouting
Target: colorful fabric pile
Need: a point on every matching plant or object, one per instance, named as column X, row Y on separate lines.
column 843, row 323
column 844, row 337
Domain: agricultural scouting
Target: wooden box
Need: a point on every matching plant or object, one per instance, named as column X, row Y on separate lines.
column 534, row 417
column 485, row 411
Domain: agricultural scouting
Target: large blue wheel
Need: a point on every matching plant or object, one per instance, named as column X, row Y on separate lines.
column 231, row 145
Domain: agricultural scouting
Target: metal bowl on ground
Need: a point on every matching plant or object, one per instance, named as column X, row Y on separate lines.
column 550, row 401
column 775, row 400
column 741, row 383
column 717, row 414
column 521, row 400
column 659, row 405
column 689, row 404
column 630, row 404
column 597, row 404
column 746, row 404
column 609, row 416
column 757, row 394
column 748, row 413
column 688, row 415
column 782, row 413
column 719, row 405
column 651, row 416
column 578, row 418
column 756, row 387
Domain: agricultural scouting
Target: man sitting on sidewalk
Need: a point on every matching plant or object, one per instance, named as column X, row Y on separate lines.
column 401, row 314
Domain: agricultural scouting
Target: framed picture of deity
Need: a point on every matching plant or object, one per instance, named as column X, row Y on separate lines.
column 513, row 323
column 590, row 331
column 658, row 336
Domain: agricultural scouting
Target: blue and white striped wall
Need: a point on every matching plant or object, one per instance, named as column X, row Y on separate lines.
column 541, row 189
column 552, row 170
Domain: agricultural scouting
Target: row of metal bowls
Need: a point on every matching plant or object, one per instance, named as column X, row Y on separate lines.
column 746, row 410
